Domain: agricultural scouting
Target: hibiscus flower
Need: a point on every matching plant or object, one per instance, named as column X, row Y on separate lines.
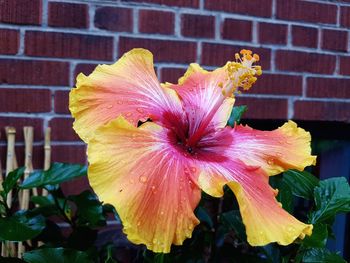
column 153, row 147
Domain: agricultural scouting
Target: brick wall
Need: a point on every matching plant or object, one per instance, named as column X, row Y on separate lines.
column 303, row 45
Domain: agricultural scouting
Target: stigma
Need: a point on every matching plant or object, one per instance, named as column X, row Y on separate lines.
column 241, row 74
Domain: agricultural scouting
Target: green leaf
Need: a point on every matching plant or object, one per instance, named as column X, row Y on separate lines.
column 233, row 220
column 58, row 173
column 89, row 208
column 331, row 197
column 42, row 200
column 203, row 216
column 321, row 255
column 11, row 180
column 285, row 196
column 302, row 183
column 318, row 238
column 236, row 115
column 20, row 227
column 56, row 255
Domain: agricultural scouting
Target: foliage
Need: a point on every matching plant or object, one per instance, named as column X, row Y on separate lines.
column 220, row 237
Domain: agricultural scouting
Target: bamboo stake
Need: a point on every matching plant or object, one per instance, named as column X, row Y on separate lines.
column 9, row 247
column 28, row 142
column 47, row 157
column 11, row 134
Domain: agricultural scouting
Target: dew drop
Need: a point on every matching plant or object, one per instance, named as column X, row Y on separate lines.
column 161, row 213
column 190, row 227
column 128, row 114
column 154, row 241
column 143, row 179
column 193, row 169
column 270, row 161
column 278, row 154
column 119, row 102
column 140, row 110
column 109, row 106
column 138, row 223
column 132, row 181
column 290, row 229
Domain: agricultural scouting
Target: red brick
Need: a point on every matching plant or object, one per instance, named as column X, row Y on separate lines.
column 61, row 102
column 344, row 65
column 237, row 29
column 259, row 108
column 171, row 74
column 328, row 88
column 163, row 50
column 181, row 3
column 25, row 100
column 86, row 69
column 15, row 71
column 62, row 130
column 277, row 84
column 197, row 26
column 19, row 123
column 322, row 111
column 37, row 155
column 251, row 7
column 69, row 153
column 306, row 11
column 68, row 15
column 27, row 12
column 9, row 41
column 335, row 40
column 218, row 54
column 156, row 22
column 66, row 45
column 272, row 33
column 304, row 36
column 345, row 16
column 305, row 62
column 114, row 19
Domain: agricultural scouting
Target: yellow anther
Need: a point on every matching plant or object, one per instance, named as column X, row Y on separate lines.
column 240, row 74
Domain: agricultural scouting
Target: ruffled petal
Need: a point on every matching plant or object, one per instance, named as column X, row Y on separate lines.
column 207, row 109
column 262, row 215
column 129, row 88
column 287, row 147
column 151, row 185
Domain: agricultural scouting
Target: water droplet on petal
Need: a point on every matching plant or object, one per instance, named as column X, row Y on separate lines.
column 193, row 169
column 128, row 114
column 290, row 229
column 119, row 102
column 270, row 161
column 154, row 241
column 109, row 106
column 161, row 213
column 140, row 110
column 138, row 223
column 132, row 181
column 143, row 179
column 278, row 154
